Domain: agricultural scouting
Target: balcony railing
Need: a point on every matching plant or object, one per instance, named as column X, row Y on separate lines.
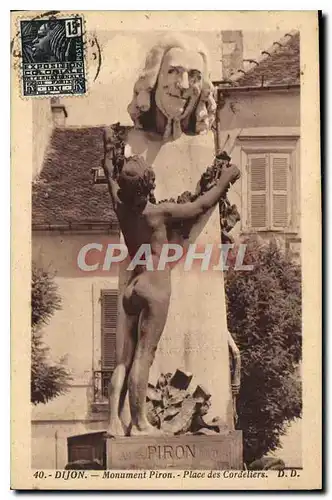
column 101, row 380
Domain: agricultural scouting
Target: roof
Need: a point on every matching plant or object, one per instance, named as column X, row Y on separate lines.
column 277, row 65
column 64, row 192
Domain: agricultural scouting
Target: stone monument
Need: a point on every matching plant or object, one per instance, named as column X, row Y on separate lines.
column 173, row 110
column 146, row 295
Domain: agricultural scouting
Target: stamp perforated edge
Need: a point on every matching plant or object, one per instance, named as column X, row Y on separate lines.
column 16, row 45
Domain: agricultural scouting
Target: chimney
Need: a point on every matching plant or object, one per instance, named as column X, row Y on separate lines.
column 59, row 113
column 232, row 52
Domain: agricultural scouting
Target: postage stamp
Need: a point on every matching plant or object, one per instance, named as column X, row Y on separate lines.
column 52, row 56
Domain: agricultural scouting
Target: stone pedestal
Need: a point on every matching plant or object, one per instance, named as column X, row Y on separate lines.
column 187, row 452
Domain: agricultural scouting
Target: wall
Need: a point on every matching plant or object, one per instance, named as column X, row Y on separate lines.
column 42, row 129
column 49, row 441
column 260, row 108
column 264, row 120
column 74, row 332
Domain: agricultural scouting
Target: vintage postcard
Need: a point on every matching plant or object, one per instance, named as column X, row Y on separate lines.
column 166, row 251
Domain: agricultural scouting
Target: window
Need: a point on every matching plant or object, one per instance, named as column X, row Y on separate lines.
column 269, row 190
column 102, row 377
column 109, row 306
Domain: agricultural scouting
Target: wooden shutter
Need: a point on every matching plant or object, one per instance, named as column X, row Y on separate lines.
column 109, row 302
column 280, row 190
column 258, row 167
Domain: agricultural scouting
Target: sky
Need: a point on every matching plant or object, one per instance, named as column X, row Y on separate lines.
column 123, row 54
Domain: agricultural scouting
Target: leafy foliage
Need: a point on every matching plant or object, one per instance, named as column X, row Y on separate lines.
column 264, row 316
column 48, row 379
column 44, row 297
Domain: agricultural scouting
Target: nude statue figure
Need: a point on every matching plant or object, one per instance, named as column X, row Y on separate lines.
column 147, row 293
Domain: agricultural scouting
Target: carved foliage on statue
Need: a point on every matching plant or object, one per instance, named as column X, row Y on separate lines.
column 175, row 409
column 229, row 214
column 117, row 143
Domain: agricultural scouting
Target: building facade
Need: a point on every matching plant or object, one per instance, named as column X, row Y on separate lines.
column 259, row 122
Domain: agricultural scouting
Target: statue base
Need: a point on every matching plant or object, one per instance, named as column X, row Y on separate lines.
column 220, row 452
column 185, row 452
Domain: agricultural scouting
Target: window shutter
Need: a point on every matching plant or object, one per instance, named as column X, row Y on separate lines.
column 109, row 307
column 280, row 189
column 258, row 190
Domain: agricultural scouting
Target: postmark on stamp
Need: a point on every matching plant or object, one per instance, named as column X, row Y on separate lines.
column 53, row 56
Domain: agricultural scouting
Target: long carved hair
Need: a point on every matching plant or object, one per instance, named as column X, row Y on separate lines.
column 144, row 88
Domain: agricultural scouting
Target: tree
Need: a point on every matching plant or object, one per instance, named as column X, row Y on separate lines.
column 264, row 317
column 48, row 379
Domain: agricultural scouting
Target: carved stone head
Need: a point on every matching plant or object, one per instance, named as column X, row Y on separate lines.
column 175, row 84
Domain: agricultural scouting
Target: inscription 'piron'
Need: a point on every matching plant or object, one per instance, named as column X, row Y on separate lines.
column 168, row 451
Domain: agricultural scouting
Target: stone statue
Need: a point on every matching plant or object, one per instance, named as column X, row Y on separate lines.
column 173, row 110
column 146, row 296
